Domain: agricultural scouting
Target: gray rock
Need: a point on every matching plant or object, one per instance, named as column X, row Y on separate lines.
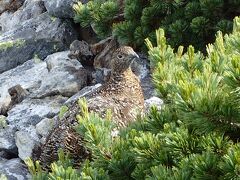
column 65, row 77
column 85, row 91
column 7, row 142
column 44, row 126
column 29, row 76
column 140, row 66
column 30, row 9
column 25, row 141
column 32, row 111
column 101, row 75
column 60, row 8
column 10, row 5
column 24, row 116
column 13, row 169
column 80, row 50
column 38, row 37
column 153, row 101
column 148, row 87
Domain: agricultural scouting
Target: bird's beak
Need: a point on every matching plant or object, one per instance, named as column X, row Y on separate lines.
column 134, row 56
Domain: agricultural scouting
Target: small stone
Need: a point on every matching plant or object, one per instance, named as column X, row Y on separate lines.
column 25, row 142
column 44, row 126
column 80, row 50
column 7, row 141
column 153, row 101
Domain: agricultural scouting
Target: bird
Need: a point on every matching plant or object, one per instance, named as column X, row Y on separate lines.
column 122, row 94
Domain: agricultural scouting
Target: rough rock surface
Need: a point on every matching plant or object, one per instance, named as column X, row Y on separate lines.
column 81, row 51
column 32, row 111
column 44, row 126
column 61, row 67
column 29, row 76
column 30, row 9
column 10, row 5
column 24, row 116
column 14, row 169
column 25, row 142
column 45, row 81
column 7, row 142
column 37, row 37
column 60, row 8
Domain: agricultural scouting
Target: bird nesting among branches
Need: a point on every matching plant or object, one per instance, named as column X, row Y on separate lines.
column 122, row 94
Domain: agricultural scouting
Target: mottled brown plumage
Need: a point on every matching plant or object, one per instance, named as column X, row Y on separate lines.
column 122, row 94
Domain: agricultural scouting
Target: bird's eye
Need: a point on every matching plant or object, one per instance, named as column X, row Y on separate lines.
column 119, row 56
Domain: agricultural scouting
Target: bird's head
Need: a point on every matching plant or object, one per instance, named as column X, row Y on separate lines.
column 123, row 58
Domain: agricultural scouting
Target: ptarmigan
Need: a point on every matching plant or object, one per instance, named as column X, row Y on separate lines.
column 122, row 94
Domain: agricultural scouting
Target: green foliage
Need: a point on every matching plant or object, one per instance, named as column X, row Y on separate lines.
column 95, row 130
column 195, row 134
column 204, row 90
column 3, row 177
column 231, row 164
column 35, row 170
column 99, row 13
column 62, row 111
column 185, row 22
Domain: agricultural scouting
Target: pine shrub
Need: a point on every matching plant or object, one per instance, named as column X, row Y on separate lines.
column 185, row 22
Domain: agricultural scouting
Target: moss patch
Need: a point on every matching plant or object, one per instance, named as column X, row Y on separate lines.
column 9, row 44
column 3, row 122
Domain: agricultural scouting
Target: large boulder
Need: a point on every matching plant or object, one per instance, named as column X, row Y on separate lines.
column 57, row 75
column 30, row 9
column 13, row 169
column 23, row 118
column 37, row 37
column 65, row 77
column 10, row 5
column 32, row 111
column 7, row 142
column 25, row 141
column 29, row 75
column 60, row 8
column 48, row 84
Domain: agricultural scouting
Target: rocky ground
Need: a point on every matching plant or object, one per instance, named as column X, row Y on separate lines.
column 39, row 73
